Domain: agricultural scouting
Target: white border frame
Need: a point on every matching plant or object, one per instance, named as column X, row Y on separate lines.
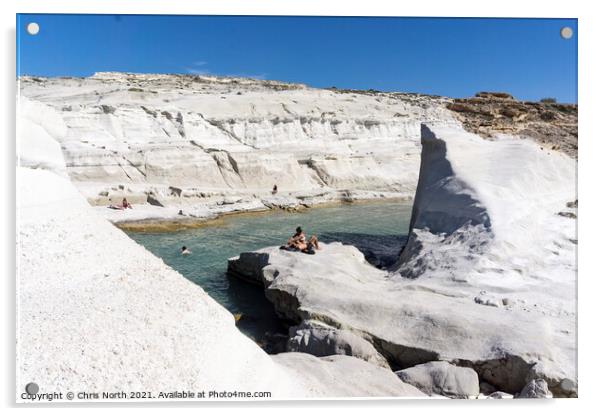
column 589, row 93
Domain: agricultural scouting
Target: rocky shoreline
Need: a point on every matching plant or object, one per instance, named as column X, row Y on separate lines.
column 131, row 322
column 78, row 272
column 454, row 295
column 480, row 303
column 170, row 219
column 316, row 331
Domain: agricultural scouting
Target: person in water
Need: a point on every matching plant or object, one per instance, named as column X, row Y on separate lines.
column 299, row 242
column 185, row 251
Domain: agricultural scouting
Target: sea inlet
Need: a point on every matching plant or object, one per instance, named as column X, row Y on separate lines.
column 378, row 229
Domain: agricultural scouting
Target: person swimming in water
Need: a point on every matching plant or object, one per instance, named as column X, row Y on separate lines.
column 185, row 251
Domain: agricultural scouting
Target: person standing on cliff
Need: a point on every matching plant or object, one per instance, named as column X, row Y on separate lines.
column 275, row 190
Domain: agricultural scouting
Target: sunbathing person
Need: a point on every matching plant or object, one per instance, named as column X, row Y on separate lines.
column 297, row 239
column 298, row 242
column 310, row 246
column 124, row 205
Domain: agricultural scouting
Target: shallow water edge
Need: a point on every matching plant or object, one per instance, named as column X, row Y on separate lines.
column 167, row 225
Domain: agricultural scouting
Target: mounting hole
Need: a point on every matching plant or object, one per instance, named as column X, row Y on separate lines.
column 566, row 32
column 33, row 28
column 32, row 389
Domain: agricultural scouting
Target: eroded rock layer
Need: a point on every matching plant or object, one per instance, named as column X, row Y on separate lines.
column 209, row 138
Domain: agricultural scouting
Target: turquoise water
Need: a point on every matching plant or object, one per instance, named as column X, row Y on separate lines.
column 378, row 229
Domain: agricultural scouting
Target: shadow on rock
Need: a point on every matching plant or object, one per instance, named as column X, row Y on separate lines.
column 381, row 251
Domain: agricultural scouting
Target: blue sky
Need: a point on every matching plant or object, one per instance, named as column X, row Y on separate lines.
column 454, row 57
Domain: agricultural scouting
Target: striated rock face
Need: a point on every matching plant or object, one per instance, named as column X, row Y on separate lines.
column 213, row 137
column 489, row 114
column 487, row 279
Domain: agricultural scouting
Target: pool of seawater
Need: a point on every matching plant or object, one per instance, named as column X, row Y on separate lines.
column 377, row 228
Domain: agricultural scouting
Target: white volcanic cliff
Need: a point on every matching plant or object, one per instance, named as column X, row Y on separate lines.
column 196, row 140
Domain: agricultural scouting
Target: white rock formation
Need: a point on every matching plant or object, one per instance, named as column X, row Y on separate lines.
column 495, row 227
column 133, row 135
column 38, row 128
column 442, row 378
column 343, row 376
column 97, row 312
column 320, row 340
column 487, row 279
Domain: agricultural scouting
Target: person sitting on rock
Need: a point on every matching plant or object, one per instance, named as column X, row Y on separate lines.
column 297, row 239
column 124, row 205
column 311, row 245
column 298, row 242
